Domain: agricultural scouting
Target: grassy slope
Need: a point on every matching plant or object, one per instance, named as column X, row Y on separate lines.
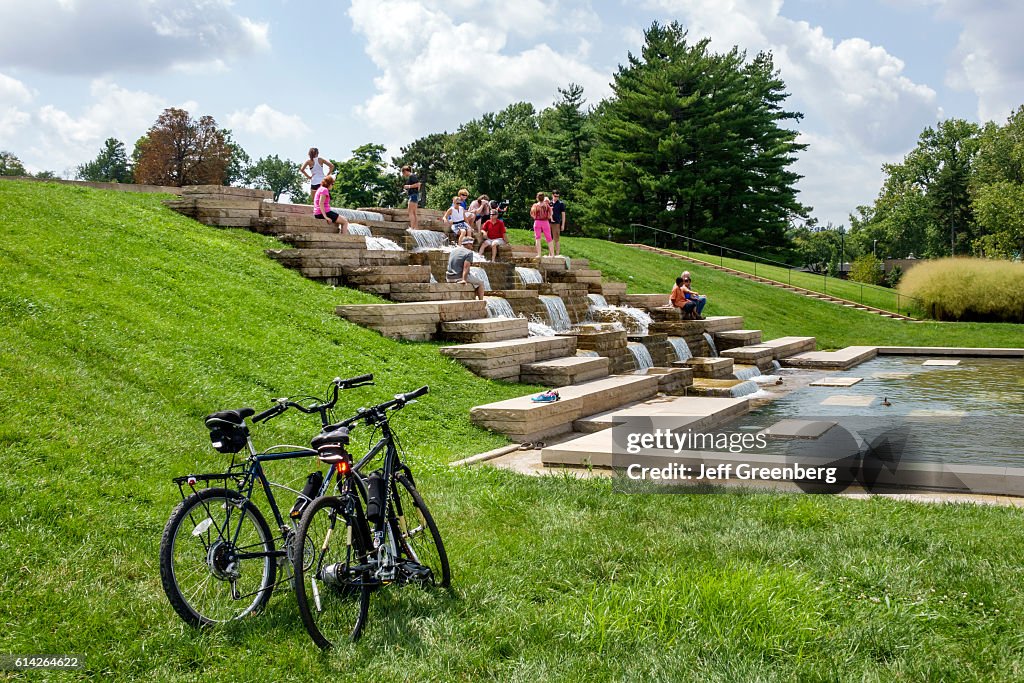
column 123, row 324
column 775, row 311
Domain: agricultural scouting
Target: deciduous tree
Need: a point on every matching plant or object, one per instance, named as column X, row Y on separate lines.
column 11, row 165
column 180, row 151
column 278, row 175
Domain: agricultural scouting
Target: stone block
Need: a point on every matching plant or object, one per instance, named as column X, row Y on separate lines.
column 710, row 368
column 789, row 346
column 560, row 372
column 731, row 339
column 485, row 330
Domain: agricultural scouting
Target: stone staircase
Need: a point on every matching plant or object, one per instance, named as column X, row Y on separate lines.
column 774, row 283
column 597, row 367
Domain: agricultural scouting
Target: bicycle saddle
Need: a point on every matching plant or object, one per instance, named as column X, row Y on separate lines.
column 233, row 416
column 339, row 437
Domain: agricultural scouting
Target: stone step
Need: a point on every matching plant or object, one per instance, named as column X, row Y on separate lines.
column 789, row 346
column 503, row 359
column 672, row 381
column 731, row 339
column 715, row 388
column 580, row 264
column 712, row 368
column 380, row 275
column 761, row 356
column 706, row 413
column 843, row 359
column 523, row 420
column 485, row 330
column 644, row 301
column 324, row 240
column 412, row 321
column 431, row 291
column 560, row 372
column 337, row 258
column 722, row 323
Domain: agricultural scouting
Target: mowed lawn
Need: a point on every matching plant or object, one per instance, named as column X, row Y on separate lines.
column 124, row 324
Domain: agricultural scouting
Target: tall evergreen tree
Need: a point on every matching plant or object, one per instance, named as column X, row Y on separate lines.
column 110, row 165
column 693, row 143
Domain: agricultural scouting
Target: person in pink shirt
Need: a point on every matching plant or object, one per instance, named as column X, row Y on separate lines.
column 541, row 215
column 322, row 206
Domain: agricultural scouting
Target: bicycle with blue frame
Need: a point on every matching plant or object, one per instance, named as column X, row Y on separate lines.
column 376, row 531
column 219, row 559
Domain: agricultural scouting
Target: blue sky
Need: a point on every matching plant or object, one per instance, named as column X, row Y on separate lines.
column 285, row 75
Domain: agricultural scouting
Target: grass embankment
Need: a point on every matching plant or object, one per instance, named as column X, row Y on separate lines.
column 123, row 324
column 776, row 312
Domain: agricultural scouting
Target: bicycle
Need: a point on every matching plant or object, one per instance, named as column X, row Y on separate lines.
column 219, row 560
column 362, row 538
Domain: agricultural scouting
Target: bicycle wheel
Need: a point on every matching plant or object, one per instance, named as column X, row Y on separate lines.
column 216, row 558
column 419, row 539
column 332, row 594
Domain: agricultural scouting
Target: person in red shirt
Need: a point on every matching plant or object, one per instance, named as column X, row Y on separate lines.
column 494, row 234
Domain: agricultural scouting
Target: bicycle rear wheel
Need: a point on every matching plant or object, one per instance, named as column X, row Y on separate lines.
column 330, row 587
column 419, row 539
column 216, row 558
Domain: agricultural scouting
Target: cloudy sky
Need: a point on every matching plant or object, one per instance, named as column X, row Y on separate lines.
column 285, row 75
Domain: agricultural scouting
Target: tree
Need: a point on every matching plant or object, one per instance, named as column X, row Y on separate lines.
column 867, row 269
column 11, row 165
column 819, row 249
column 997, row 189
column 566, row 137
column 46, row 175
column 237, row 171
column 364, row 180
column 110, row 165
column 924, row 206
column 694, row 143
column 179, row 151
column 280, row 176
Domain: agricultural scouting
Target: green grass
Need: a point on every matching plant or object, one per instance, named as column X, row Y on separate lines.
column 123, row 324
column 776, row 312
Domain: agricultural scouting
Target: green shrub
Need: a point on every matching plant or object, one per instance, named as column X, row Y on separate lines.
column 894, row 277
column 968, row 289
column 867, row 269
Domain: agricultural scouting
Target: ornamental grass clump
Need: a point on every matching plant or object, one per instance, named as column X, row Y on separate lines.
column 968, row 289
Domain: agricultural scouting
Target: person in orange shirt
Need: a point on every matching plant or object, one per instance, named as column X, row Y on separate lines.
column 679, row 300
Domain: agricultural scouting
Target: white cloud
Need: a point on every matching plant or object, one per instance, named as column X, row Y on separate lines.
column 442, row 63
column 266, row 121
column 13, row 95
column 98, row 36
column 13, row 91
column 989, row 56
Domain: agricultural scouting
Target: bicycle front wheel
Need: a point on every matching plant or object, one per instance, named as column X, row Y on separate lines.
column 330, row 572
column 419, row 539
column 217, row 558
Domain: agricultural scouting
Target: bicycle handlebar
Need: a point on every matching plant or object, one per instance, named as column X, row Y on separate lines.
column 283, row 404
column 398, row 402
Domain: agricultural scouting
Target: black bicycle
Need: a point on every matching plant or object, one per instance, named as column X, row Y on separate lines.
column 219, row 559
column 376, row 531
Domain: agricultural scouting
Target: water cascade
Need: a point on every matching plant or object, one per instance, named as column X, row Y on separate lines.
column 744, row 389
column 498, row 307
column 529, row 276
column 357, row 229
column 382, row 244
column 557, row 313
column 597, row 301
column 641, row 356
column 681, row 348
column 353, row 215
column 540, row 329
column 428, row 239
column 712, row 349
column 480, row 273
column 750, row 372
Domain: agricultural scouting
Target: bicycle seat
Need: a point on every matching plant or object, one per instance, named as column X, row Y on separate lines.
column 233, row 416
column 339, row 437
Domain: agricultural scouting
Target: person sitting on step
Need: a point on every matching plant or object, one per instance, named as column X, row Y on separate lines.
column 678, row 299
column 322, row 206
column 694, row 296
column 460, row 264
column 456, row 218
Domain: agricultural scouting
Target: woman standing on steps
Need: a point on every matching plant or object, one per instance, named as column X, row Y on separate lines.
column 541, row 215
column 316, row 174
column 322, row 206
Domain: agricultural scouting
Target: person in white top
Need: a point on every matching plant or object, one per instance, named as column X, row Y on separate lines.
column 315, row 174
column 455, row 217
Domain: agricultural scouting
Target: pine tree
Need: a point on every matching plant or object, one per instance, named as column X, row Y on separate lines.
column 109, row 166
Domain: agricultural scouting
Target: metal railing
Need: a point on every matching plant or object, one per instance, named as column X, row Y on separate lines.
column 684, row 243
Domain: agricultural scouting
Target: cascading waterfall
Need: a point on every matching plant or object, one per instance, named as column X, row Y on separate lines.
column 749, row 372
column 711, row 344
column 744, row 389
column 529, row 276
column 357, row 229
column 641, row 356
column 353, row 215
column 538, row 328
column 498, row 307
column 382, row 244
column 597, row 301
column 640, row 320
column 681, row 348
column 480, row 273
column 557, row 312
column 428, row 239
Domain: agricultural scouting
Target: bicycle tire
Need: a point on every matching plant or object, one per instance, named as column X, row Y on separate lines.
column 336, row 613
column 197, row 569
column 424, row 548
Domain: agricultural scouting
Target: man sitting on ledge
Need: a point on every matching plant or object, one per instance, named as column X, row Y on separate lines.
column 460, row 261
column 687, row 299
